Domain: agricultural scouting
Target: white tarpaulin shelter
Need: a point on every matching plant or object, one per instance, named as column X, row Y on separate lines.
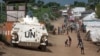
column 64, row 12
column 95, row 24
column 95, row 35
column 90, row 17
column 92, row 24
column 94, row 28
column 78, row 10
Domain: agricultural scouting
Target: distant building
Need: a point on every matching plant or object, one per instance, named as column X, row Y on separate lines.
column 55, row 9
column 67, row 6
column 35, row 7
column 90, row 17
column 87, row 12
column 77, row 11
column 64, row 12
column 13, row 14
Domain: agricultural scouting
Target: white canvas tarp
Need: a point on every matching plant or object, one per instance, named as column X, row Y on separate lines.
column 77, row 11
column 95, row 36
column 92, row 24
column 90, row 17
column 94, row 28
column 94, row 33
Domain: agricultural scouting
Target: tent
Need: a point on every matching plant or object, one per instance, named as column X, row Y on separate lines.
column 95, row 24
column 92, row 24
column 95, row 35
column 77, row 11
column 90, row 17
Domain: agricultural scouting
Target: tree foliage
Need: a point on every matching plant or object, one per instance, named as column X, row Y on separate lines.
column 92, row 4
column 51, row 4
column 98, row 10
column 79, row 4
column 40, row 3
column 93, row 1
column 32, row 2
column 2, row 13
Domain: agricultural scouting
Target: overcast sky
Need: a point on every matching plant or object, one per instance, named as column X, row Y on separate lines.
column 0, row 0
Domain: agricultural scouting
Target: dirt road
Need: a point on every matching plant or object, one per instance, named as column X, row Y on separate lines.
column 57, row 49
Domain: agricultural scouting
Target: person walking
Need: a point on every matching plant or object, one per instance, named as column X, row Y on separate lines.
column 79, row 39
column 62, row 28
column 98, row 49
column 79, row 42
column 54, row 31
column 58, row 30
column 82, row 48
column 83, row 28
column 71, row 28
column 88, row 36
column 66, row 42
column 67, row 29
column 70, row 40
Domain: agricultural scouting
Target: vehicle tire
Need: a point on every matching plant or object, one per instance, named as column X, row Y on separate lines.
column 46, row 43
column 15, row 45
column 43, row 47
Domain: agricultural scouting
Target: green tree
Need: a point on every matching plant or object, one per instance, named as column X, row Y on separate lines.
column 2, row 13
column 76, row 3
column 93, row 3
column 40, row 3
column 98, row 10
column 50, row 4
column 32, row 2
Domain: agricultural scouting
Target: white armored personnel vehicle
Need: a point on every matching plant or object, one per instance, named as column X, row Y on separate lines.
column 29, row 32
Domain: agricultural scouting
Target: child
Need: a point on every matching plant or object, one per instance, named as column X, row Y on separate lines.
column 70, row 40
column 82, row 48
column 66, row 42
